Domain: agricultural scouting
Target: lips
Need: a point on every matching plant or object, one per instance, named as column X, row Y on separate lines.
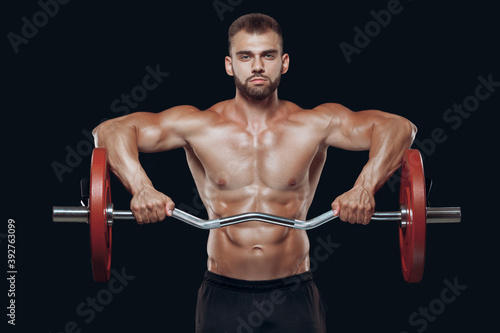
column 258, row 79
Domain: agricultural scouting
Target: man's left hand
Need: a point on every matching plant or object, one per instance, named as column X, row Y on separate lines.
column 355, row 206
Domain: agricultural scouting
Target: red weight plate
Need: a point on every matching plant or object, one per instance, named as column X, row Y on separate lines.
column 100, row 232
column 412, row 196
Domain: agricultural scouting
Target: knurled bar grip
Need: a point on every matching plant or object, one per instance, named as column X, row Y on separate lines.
column 80, row 214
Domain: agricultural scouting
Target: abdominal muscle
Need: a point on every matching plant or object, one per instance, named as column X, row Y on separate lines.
column 257, row 250
column 235, row 252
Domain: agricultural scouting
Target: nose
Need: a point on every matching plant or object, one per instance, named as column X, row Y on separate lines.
column 258, row 65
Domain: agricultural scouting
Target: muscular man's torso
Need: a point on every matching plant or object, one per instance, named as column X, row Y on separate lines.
column 273, row 169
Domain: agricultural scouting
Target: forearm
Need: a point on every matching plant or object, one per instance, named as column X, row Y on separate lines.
column 390, row 138
column 120, row 140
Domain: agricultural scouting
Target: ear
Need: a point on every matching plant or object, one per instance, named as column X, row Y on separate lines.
column 285, row 60
column 229, row 66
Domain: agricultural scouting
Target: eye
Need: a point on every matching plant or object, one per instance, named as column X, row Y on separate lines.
column 270, row 56
column 244, row 57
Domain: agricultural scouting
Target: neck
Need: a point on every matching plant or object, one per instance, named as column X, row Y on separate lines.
column 256, row 111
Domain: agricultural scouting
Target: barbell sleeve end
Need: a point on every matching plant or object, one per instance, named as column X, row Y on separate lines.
column 77, row 214
column 444, row 214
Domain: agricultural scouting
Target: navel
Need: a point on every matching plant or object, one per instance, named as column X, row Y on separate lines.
column 256, row 249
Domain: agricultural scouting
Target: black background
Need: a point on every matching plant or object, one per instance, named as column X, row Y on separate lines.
column 65, row 78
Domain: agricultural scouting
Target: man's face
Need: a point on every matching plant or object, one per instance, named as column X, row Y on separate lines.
column 256, row 62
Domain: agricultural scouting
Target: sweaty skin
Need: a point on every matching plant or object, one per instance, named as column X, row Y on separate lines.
column 256, row 155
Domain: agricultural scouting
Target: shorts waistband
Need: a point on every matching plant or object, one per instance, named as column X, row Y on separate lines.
column 258, row 285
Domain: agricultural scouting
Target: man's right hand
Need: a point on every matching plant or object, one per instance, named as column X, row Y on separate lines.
column 150, row 206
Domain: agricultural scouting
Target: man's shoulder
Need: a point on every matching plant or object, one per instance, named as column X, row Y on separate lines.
column 322, row 108
column 322, row 112
column 330, row 108
column 190, row 112
column 209, row 112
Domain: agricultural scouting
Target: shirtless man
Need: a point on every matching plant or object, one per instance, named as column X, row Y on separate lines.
column 257, row 153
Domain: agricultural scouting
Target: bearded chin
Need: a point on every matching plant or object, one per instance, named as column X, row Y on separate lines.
column 257, row 93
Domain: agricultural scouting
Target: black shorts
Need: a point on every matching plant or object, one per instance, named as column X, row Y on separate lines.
column 291, row 304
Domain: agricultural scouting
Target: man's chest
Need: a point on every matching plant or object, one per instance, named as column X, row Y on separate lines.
column 277, row 157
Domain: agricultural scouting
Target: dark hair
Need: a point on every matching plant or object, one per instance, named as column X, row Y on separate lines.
column 255, row 24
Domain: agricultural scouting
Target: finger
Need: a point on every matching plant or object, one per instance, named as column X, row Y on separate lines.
column 169, row 207
column 369, row 210
column 161, row 210
column 156, row 210
column 353, row 211
column 138, row 217
column 141, row 217
column 349, row 218
column 152, row 213
column 367, row 216
column 356, row 217
column 137, row 213
column 366, row 219
column 145, row 215
column 361, row 217
column 345, row 214
column 336, row 207
column 159, row 215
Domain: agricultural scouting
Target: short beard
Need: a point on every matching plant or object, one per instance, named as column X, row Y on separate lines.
column 257, row 93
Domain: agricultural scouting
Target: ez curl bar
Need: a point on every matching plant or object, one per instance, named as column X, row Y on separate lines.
column 413, row 216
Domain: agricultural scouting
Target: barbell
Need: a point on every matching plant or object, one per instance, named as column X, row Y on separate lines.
column 413, row 216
